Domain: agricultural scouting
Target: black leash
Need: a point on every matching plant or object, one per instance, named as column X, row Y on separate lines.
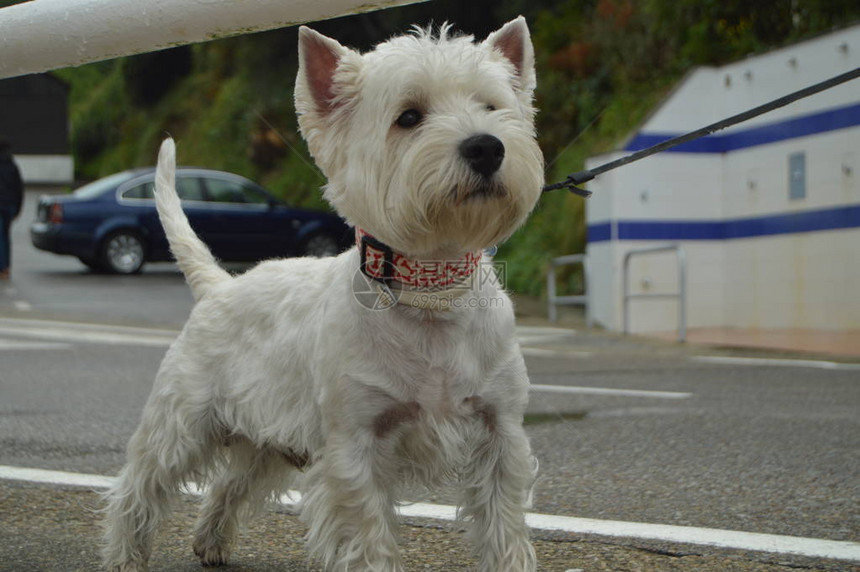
column 584, row 176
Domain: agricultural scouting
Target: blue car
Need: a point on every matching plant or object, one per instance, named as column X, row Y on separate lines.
column 111, row 224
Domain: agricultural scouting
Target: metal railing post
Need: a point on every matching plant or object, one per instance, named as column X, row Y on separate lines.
column 682, row 290
column 589, row 318
column 554, row 300
column 625, row 306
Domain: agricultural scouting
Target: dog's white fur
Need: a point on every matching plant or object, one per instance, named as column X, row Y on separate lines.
column 280, row 368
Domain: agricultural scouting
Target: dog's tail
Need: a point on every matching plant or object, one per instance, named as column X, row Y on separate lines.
column 193, row 257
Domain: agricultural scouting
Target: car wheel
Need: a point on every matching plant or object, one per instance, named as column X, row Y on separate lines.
column 123, row 252
column 320, row 245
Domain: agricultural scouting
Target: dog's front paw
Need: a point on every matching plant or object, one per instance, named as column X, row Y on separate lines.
column 132, row 567
column 211, row 553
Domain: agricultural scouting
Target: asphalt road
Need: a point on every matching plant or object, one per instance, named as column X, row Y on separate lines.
column 49, row 285
column 646, row 432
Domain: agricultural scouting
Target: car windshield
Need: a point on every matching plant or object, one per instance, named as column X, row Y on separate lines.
column 96, row 188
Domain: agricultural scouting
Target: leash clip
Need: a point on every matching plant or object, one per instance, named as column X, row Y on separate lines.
column 571, row 184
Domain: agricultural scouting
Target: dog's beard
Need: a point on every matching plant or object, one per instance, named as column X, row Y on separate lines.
column 475, row 212
column 484, row 218
column 475, row 190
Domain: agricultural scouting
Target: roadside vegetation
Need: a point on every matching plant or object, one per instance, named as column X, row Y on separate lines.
column 602, row 66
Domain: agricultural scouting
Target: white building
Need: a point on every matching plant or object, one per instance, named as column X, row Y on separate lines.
column 768, row 212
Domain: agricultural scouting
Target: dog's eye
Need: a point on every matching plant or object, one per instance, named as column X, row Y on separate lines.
column 409, row 118
column 491, row 107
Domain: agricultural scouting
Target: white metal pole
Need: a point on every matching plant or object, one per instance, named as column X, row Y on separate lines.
column 41, row 35
column 550, row 292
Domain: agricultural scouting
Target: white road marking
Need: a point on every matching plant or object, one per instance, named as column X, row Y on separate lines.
column 541, row 352
column 544, row 331
column 122, row 335
column 793, row 545
column 607, row 391
column 729, row 360
column 530, row 335
column 542, row 339
column 86, row 333
column 22, row 305
column 17, row 345
column 46, row 476
column 74, row 332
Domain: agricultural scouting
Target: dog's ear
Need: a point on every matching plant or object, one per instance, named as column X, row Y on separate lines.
column 514, row 42
column 318, row 59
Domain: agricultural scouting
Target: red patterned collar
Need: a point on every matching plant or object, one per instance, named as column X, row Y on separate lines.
column 380, row 262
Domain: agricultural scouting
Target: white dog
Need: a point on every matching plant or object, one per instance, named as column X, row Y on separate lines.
column 428, row 145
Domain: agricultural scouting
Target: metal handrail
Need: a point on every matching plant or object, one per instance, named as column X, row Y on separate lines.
column 681, row 294
column 553, row 299
column 51, row 34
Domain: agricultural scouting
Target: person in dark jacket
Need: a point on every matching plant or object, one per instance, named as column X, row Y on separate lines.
column 11, row 197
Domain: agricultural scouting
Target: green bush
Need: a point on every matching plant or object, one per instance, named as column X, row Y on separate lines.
column 148, row 77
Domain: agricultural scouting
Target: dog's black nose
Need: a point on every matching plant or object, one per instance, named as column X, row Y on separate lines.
column 484, row 153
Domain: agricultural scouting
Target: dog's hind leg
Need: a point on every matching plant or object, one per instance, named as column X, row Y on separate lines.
column 252, row 475
column 163, row 453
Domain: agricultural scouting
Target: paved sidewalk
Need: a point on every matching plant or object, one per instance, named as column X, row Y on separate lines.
column 46, row 530
column 843, row 344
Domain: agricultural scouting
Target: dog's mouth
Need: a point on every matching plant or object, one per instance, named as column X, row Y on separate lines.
column 484, row 191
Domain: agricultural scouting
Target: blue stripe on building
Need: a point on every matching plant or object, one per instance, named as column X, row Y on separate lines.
column 808, row 221
column 600, row 232
column 813, row 124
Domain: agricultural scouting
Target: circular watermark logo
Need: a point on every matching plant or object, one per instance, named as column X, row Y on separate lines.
column 374, row 294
